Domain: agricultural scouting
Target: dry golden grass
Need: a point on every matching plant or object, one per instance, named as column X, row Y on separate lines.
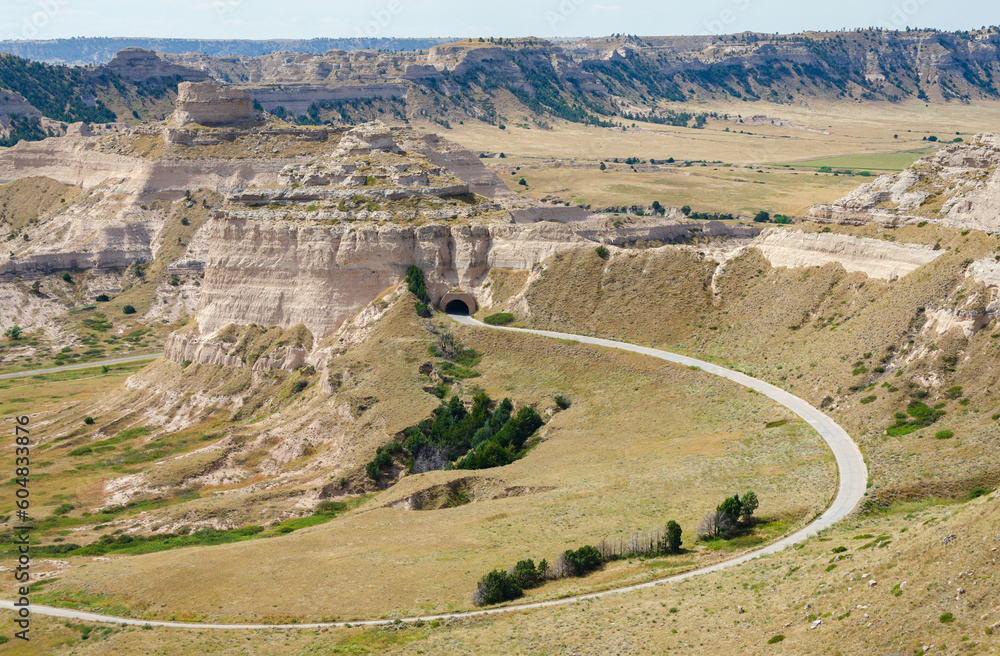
column 808, row 330
column 918, row 579
column 613, row 463
column 833, row 129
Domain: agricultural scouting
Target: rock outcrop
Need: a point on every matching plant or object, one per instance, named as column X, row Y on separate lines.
column 873, row 257
column 959, row 186
column 140, row 65
column 277, row 273
column 212, row 105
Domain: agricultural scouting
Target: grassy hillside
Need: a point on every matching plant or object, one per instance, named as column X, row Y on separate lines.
column 843, row 341
column 607, row 466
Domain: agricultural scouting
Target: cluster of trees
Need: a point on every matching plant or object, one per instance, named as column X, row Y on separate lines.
column 731, row 517
column 58, row 92
column 480, row 438
column 24, row 128
column 499, row 585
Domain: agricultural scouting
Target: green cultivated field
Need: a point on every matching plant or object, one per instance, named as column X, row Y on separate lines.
column 870, row 161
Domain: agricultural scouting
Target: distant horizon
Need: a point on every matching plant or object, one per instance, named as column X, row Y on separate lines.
column 252, row 20
column 457, row 38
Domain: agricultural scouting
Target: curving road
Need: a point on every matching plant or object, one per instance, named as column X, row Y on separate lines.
column 850, row 463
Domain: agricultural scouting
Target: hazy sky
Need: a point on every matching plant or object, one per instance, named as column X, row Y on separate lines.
column 263, row 19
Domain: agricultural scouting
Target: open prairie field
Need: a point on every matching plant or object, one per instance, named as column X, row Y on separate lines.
column 782, row 145
column 916, row 575
column 642, row 443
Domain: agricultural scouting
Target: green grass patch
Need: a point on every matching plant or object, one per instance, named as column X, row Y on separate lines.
column 878, row 161
column 499, row 319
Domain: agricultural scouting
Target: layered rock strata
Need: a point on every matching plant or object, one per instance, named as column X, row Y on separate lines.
column 873, row 257
column 958, row 186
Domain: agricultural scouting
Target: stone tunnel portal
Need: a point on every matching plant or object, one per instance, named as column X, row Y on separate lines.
column 458, row 303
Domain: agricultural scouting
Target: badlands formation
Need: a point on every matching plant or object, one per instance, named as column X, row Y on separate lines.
column 317, row 223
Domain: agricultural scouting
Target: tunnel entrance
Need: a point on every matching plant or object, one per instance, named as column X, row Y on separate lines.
column 458, row 302
column 457, row 307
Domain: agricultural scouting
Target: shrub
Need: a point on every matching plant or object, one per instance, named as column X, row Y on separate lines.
column 128, row 309
column 68, row 278
column 88, row 420
column 299, row 385
column 944, row 435
column 102, row 298
column 499, row 319
column 776, row 639
column 869, row 399
column 582, row 561
column 946, row 618
column 602, row 252
column 954, row 392
column 185, row 221
column 562, row 402
column 375, row 467
column 495, row 588
column 977, row 492
column 330, row 507
column 423, row 310
column 762, row 217
column 13, row 333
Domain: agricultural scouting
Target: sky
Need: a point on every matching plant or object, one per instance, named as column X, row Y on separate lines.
column 300, row 19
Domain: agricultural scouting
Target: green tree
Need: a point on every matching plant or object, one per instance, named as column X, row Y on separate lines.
column 686, row 210
column 673, row 537
column 13, row 333
column 731, row 507
column 583, row 560
column 496, row 587
column 416, row 284
column 748, row 506
column 604, row 166
column 762, row 217
column 525, row 574
column 128, row 309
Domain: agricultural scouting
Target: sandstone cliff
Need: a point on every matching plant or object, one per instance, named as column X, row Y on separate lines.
column 959, row 186
column 276, row 273
column 873, row 257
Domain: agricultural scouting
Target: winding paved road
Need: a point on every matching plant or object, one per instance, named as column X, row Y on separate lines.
column 851, row 464
column 85, row 365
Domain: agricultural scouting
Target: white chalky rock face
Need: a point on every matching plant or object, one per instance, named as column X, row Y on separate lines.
column 959, row 186
column 210, row 104
column 367, row 138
